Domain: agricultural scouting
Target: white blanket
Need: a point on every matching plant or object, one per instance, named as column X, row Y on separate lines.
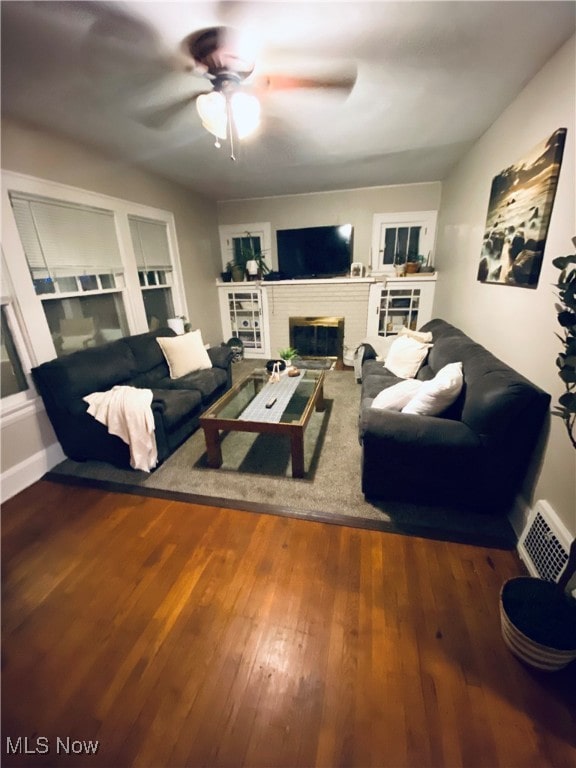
column 127, row 412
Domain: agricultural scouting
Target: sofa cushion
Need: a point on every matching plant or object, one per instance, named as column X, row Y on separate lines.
column 176, row 406
column 423, row 336
column 394, row 398
column 206, row 382
column 405, row 356
column 146, row 351
column 221, row 357
column 185, row 354
column 374, row 381
column 437, row 394
column 95, row 369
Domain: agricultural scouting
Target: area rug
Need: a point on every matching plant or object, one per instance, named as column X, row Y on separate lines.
column 256, row 476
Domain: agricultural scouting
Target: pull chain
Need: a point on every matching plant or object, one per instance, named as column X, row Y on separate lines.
column 230, row 127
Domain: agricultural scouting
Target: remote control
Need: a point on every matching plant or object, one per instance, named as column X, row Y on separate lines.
column 271, row 402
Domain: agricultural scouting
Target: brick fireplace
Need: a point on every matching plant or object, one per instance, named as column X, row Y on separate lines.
column 339, row 297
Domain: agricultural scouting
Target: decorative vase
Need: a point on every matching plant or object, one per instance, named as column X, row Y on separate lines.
column 252, row 269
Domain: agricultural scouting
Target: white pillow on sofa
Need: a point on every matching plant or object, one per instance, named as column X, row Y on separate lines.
column 425, row 336
column 394, row 398
column 435, row 395
column 184, row 354
column 405, row 357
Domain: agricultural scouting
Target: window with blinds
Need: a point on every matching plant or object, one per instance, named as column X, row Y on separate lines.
column 76, row 267
column 152, row 252
column 68, row 248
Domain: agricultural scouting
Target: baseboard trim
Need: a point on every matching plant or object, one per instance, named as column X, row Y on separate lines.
column 19, row 477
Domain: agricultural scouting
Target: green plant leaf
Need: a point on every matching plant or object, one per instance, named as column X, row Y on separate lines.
column 568, row 376
column 567, row 319
column 568, row 401
column 561, row 262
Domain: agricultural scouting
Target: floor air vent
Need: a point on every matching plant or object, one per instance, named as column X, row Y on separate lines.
column 545, row 543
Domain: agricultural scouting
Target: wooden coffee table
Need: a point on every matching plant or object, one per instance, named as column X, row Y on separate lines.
column 243, row 409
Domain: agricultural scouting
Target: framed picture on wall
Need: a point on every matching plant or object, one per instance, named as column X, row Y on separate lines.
column 519, row 210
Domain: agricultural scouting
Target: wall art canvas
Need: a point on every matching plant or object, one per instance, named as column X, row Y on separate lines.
column 521, row 200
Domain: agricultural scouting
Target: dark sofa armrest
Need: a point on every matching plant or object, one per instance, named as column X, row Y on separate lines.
column 221, row 357
column 421, row 434
column 368, row 351
column 433, row 457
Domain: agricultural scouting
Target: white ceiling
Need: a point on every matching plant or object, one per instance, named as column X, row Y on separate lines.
column 432, row 77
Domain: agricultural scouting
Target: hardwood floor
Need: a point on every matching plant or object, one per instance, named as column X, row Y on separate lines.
column 183, row 635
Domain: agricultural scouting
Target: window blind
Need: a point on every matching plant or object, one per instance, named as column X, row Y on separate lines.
column 150, row 242
column 63, row 240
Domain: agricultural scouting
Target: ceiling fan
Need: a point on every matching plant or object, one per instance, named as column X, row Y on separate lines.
column 231, row 109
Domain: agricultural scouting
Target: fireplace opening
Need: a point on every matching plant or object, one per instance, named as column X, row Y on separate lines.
column 317, row 336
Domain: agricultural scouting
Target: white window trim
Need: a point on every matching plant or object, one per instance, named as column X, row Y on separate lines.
column 34, row 320
column 26, row 400
column 229, row 231
column 415, row 218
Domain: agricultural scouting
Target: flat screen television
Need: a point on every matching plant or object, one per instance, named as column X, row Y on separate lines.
column 314, row 251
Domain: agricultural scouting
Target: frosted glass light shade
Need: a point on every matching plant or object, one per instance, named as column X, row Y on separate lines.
column 245, row 113
column 212, row 110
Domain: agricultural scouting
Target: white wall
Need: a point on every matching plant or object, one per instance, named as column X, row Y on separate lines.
column 516, row 324
column 353, row 206
column 36, row 152
column 27, row 442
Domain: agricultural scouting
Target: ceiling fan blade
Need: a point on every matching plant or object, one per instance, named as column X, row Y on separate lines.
column 278, row 82
column 162, row 117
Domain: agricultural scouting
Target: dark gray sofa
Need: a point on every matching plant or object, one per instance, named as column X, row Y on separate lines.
column 474, row 454
column 136, row 361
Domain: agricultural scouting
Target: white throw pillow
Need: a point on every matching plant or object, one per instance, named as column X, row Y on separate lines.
column 394, row 398
column 435, row 395
column 424, row 336
column 405, row 357
column 184, row 354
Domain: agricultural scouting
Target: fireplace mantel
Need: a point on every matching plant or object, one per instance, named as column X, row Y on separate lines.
column 343, row 297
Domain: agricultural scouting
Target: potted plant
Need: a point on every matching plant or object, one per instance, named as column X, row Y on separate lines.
column 227, row 274
column 238, row 271
column 566, row 360
column 248, row 260
column 400, row 264
column 412, row 263
column 538, row 617
column 288, row 354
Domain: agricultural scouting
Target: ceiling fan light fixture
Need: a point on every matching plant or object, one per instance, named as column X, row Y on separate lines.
column 245, row 113
column 212, row 110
